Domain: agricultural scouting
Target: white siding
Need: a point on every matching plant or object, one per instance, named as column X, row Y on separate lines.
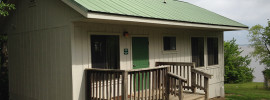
column 82, row 57
column 40, row 51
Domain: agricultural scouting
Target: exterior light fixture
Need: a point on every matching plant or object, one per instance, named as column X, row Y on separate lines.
column 125, row 34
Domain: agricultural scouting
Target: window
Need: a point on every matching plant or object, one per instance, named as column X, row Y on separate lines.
column 169, row 43
column 105, row 51
column 212, row 51
column 197, row 50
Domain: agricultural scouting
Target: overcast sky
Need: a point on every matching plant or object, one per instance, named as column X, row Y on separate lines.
column 248, row 12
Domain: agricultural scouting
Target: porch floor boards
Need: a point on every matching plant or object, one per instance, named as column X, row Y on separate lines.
column 187, row 96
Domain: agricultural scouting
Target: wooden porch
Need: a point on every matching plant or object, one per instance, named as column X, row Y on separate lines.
column 167, row 81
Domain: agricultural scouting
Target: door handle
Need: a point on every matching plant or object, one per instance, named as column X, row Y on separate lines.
column 134, row 65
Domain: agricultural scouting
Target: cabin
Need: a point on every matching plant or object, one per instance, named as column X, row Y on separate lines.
column 116, row 49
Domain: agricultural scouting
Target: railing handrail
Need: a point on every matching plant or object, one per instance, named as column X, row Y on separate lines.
column 129, row 70
column 202, row 73
column 177, row 77
column 176, row 63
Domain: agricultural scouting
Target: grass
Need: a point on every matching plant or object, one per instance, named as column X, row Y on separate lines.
column 246, row 91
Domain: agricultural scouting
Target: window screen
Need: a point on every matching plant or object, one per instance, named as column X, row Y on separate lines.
column 169, row 43
column 212, row 50
column 197, row 50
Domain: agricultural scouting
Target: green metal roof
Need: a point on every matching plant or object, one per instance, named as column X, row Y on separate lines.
column 171, row 10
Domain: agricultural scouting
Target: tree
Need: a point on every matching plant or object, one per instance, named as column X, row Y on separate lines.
column 260, row 41
column 236, row 66
column 5, row 8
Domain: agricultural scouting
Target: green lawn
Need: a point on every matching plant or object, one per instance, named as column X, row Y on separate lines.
column 246, row 91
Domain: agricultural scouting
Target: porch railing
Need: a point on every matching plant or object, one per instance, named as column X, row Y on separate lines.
column 107, row 84
column 149, row 83
column 181, row 69
column 200, row 80
column 195, row 79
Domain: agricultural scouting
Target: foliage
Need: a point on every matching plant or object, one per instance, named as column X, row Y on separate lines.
column 4, row 94
column 236, row 66
column 246, row 91
column 5, row 7
column 266, row 73
column 260, row 41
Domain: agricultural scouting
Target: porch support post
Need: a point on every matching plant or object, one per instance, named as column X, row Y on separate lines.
column 125, row 85
column 206, row 88
column 167, row 92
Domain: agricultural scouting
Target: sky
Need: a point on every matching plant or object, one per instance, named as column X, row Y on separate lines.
column 248, row 12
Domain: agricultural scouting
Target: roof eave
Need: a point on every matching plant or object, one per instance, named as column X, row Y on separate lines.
column 115, row 17
column 105, row 16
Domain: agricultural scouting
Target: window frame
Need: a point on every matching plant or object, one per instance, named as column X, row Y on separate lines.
column 206, row 65
column 169, row 51
column 217, row 51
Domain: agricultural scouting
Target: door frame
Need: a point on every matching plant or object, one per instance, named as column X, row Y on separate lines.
column 89, row 45
column 131, row 52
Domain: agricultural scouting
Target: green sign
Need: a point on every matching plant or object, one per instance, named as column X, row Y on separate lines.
column 126, row 51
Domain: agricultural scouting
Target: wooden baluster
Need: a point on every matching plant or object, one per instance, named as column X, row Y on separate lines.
column 150, row 85
column 188, row 77
column 118, row 86
column 193, row 82
column 198, row 79
column 206, row 88
column 139, row 83
column 181, row 67
column 162, row 85
column 184, row 72
column 130, row 86
column 146, row 80
column 177, row 69
column 170, row 84
column 96, row 86
column 103, row 86
column 156, row 84
column 135, row 74
column 111, row 78
column 99, row 97
column 173, row 69
column 107, row 85
column 142, row 83
column 170, row 68
column 113, row 85
column 153, row 85
column 201, row 80
column 159, row 83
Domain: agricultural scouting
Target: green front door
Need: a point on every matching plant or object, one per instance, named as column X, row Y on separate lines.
column 140, row 56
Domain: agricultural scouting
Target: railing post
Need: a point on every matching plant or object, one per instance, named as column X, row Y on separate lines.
column 125, row 85
column 180, row 94
column 88, row 85
column 167, row 92
column 193, row 82
column 206, row 87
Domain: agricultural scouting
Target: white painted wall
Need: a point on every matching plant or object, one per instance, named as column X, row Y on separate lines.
column 81, row 58
column 40, row 51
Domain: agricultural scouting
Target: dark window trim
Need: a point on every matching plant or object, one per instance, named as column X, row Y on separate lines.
column 205, row 48
column 175, row 44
